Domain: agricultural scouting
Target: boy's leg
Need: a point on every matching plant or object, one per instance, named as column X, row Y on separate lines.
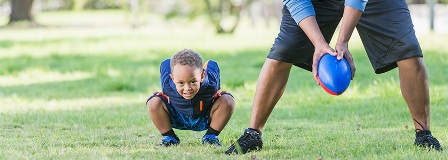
column 159, row 114
column 221, row 112
column 161, row 119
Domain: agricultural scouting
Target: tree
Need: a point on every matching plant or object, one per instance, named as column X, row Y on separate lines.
column 225, row 14
column 21, row 11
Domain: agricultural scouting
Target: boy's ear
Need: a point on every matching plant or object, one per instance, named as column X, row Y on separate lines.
column 171, row 76
column 202, row 76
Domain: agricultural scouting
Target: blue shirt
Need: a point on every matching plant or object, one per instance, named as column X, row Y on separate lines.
column 300, row 9
column 208, row 88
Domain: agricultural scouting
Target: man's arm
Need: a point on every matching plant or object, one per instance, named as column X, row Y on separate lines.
column 352, row 13
column 350, row 18
column 299, row 9
column 310, row 27
column 302, row 11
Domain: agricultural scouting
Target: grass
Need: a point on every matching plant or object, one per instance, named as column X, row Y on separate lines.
column 71, row 91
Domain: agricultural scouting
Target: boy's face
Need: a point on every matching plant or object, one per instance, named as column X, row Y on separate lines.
column 187, row 79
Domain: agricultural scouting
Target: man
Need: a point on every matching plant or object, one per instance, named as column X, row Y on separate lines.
column 307, row 26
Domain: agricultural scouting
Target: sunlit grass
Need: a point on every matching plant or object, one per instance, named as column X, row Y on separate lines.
column 36, row 75
column 16, row 104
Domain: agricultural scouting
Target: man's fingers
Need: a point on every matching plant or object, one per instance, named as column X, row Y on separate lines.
column 340, row 55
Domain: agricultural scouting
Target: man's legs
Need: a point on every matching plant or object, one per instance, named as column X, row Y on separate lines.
column 415, row 90
column 270, row 87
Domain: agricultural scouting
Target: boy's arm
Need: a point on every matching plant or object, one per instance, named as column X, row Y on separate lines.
column 213, row 72
column 165, row 71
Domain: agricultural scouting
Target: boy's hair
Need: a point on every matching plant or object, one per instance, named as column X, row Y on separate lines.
column 186, row 57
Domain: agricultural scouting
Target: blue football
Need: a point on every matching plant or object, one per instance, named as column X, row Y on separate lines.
column 333, row 75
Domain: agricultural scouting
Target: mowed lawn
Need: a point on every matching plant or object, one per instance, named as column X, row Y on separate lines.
column 76, row 89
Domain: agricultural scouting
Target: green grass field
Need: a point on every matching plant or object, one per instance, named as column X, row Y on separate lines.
column 77, row 90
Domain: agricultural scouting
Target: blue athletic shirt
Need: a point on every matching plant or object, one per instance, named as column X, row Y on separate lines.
column 300, row 9
column 192, row 107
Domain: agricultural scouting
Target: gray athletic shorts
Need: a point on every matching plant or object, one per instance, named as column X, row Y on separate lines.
column 385, row 28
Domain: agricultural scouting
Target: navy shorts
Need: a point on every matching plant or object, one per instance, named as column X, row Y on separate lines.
column 385, row 28
column 185, row 122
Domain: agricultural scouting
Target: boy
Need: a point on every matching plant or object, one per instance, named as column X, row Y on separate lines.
column 190, row 99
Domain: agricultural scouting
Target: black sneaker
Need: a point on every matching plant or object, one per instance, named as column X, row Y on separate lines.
column 423, row 138
column 169, row 140
column 250, row 140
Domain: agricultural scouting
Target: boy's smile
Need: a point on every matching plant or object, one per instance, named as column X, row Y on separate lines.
column 187, row 79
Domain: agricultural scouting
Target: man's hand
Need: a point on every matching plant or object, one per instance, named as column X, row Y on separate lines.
column 319, row 51
column 343, row 52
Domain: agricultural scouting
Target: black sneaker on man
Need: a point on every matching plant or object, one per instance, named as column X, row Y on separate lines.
column 423, row 138
column 249, row 141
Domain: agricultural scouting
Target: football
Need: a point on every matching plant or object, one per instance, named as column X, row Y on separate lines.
column 333, row 75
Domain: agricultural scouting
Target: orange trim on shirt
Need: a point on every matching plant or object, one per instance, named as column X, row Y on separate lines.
column 217, row 94
column 205, row 65
column 200, row 105
column 163, row 95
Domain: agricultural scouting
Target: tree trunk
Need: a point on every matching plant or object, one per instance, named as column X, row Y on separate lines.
column 225, row 9
column 21, row 11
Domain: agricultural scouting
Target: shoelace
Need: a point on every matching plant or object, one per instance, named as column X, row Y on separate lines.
column 432, row 141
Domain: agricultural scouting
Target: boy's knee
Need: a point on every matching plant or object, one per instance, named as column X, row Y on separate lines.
column 154, row 104
column 227, row 101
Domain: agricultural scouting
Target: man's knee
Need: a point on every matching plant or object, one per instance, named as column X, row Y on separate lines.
column 413, row 62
